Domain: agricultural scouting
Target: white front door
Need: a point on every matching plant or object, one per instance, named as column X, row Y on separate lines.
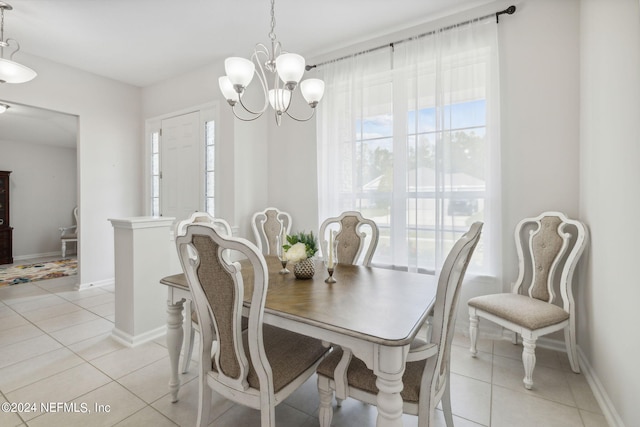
column 181, row 154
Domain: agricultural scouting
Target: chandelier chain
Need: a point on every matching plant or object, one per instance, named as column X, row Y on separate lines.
column 272, row 34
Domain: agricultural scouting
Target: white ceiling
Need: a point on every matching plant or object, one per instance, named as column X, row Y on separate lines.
column 142, row 42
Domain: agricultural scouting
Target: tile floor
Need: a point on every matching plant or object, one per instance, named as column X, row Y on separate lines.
column 55, row 347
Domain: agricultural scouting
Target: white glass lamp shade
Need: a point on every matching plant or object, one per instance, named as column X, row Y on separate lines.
column 226, row 87
column 312, row 91
column 290, row 67
column 12, row 72
column 279, row 99
column 239, row 70
column 3, row 108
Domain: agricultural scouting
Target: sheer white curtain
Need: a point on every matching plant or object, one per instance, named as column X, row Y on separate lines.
column 409, row 136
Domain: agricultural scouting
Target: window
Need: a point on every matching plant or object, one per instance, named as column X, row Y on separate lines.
column 408, row 138
column 210, row 161
column 155, row 173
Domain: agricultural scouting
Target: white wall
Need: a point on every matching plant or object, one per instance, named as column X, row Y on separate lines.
column 610, row 178
column 43, row 195
column 109, row 152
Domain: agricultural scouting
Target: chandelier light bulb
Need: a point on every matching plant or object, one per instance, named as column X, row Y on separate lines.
column 226, row 87
column 240, row 72
column 290, row 68
column 312, row 91
column 279, row 99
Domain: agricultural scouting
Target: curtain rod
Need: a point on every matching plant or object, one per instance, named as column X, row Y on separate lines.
column 509, row 11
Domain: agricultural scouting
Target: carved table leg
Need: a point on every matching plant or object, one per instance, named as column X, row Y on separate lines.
column 175, row 336
column 389, row 370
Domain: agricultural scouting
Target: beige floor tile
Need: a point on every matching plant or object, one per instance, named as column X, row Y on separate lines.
column 184, row 412
column 52, row 311
column 38, row 302
column 511, row 409
column 97, row 346
column 582, row 393
column 103, row 298
column 12, row 320
column 20, row 293
column 6, row 311
column 152, row 381
column 104, row 310
column 146, row 417
column 479, row 367
column 548, row 383
column 471, row 399
column 76, row 295
column 115, row 402
column 27, row 349
column 239, row 415
column 591, row 419
column 83, row 331
column 122, row 362
column 544, row 356
column 37, row 368
column 61, row 387
column 73, row 318
column 306, row 398
column 19, row 333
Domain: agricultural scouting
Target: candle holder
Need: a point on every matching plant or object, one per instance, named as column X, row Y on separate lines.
column 282, row 254
column 330, row 279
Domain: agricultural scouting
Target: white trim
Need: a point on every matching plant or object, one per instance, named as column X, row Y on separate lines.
column 599, row 392
column 135, row 340
column 100, row 283
column 42, row 255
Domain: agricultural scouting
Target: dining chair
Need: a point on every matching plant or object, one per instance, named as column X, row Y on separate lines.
column 549, row 247
column 267, row 225
column 69, row 233
column 426, row 376
column 191, row 325
column 258, row 367
column 350, row 237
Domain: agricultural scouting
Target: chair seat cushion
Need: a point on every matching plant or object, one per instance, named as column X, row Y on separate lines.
column 522, row 310
column 289, row 355
column 363, row 378
column 70, row 236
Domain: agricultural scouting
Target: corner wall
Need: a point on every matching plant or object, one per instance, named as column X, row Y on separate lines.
column 609, row 199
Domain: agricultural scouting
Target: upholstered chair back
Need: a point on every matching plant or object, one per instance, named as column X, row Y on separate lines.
column 267, row 226
column 350, row 237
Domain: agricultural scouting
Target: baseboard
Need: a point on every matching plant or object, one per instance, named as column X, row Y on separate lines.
column 606, row 405
column 135, row 340
column 32, row 256
column 96, row 284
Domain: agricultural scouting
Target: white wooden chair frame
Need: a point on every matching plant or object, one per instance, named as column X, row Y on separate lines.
column 267, row 225
column 190, row 327
column 434, row 384
column 567, row 268
column 350, row 235
column 236, row 389
column 69, row 234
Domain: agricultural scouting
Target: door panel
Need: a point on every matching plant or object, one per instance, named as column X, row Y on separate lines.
column 181, row 183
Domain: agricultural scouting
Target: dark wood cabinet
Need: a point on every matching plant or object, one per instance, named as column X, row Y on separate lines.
column 6, row 249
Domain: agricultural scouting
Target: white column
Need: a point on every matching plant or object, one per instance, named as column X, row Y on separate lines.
column 142, row 258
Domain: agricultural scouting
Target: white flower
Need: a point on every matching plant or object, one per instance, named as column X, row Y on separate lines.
column 296, row 253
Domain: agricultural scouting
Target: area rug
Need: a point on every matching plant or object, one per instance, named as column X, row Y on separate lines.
column 40, row 271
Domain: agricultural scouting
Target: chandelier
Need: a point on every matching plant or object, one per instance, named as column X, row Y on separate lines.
column 284, row 69
column 11, row 71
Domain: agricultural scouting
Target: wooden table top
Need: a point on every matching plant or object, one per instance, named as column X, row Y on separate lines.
column 380, row 305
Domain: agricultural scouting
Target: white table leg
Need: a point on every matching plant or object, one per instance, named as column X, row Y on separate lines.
column 389, row 369
column 175, row 336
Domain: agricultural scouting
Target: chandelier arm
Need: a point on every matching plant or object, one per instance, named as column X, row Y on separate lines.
column 233, row 109
column 17, row 47
column 313, row 113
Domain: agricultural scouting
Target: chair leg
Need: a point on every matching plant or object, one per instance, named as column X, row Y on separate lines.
column 429, row 327
column 325, row 413
column 570, row 342
column 529, row 360
column 473, row 331
column 446, row 403
column 189, row 334
column 514, row 338
column 64, row 248
column 204, row 405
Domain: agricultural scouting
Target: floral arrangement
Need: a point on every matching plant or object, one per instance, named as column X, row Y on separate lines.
column 300, row 246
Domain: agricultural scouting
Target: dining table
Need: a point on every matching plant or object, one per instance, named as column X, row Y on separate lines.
column 374, row 312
